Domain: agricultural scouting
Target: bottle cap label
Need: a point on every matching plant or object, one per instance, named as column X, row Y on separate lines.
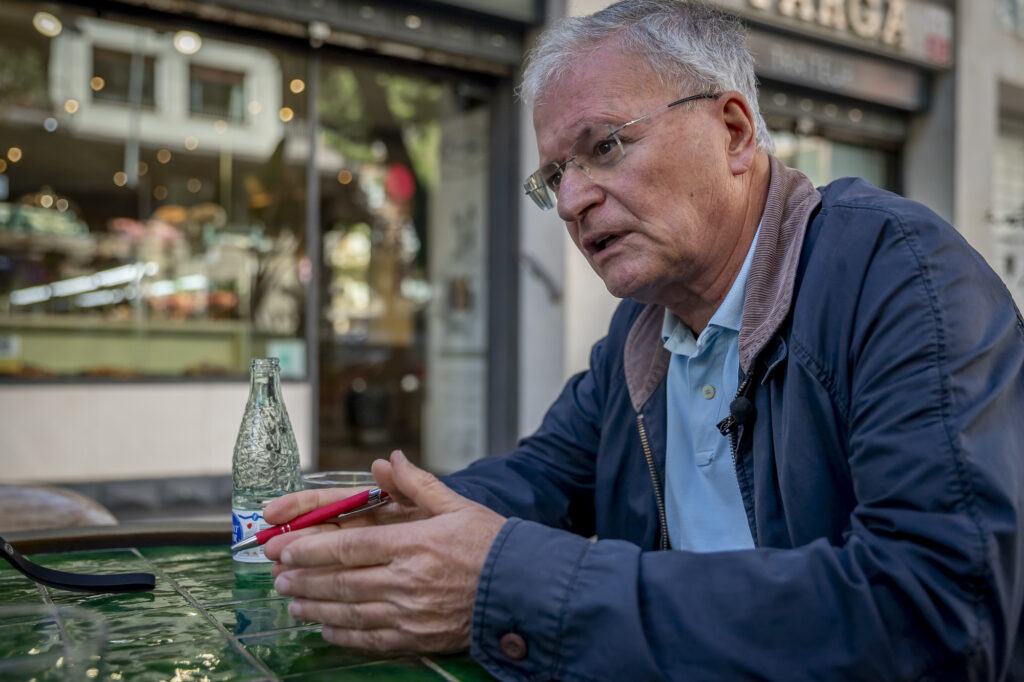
column 246, row 522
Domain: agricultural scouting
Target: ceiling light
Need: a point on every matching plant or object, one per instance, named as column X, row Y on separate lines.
column 187, row 42
column 47, row 24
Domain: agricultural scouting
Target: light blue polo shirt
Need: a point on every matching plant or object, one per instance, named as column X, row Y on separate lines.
column 703, row 506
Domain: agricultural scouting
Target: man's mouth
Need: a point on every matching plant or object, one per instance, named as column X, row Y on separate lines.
column 604, row 242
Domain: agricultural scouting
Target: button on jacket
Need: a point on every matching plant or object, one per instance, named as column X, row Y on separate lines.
column 881, row 470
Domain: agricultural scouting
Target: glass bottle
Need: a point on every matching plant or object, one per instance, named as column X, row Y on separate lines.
column 265, row 464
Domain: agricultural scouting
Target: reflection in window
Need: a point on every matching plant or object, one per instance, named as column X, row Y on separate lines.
column 216, row 92
column 403, row 341
column 143, row 240
column 112, row 77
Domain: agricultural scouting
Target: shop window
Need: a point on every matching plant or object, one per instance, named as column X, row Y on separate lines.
column 824, row 160
column 216, row 92
column 143, row 241
column 111, row 79
column 403, row 326
column 1011, row 14
column 168, row 238
column 1006, row 218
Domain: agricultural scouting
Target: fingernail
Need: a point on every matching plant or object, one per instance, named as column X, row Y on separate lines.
column 286, row 556
column 282, row 583
column 295, row 609
column 399, row 455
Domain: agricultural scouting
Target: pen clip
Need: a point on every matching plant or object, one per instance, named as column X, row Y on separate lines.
column 365, row 507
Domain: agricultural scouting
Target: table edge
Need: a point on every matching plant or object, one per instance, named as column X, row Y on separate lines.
column 148, row 534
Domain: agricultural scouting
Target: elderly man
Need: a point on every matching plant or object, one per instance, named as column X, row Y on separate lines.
column 800, row 446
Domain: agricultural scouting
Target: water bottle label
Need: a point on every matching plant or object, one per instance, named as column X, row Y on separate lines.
column 246, row 522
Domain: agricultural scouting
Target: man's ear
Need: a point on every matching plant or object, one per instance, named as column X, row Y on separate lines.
column 742, row 138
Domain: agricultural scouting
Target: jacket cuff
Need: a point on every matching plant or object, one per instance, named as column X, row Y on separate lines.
column 524, row 587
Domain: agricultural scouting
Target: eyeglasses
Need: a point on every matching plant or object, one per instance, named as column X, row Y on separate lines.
column 597, row 149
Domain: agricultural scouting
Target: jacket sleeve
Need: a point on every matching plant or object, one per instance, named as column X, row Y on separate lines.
column 925, row 583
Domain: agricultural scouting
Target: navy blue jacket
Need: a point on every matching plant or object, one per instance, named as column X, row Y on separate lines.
column 881, row 467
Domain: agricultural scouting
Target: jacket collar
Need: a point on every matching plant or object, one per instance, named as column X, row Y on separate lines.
column 791, row 201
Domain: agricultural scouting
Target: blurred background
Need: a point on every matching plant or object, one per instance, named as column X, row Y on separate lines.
column 187, row 185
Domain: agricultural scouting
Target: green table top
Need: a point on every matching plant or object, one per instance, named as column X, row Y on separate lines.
column 205, row 620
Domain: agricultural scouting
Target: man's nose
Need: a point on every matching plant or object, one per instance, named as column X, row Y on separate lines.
column 576, row 193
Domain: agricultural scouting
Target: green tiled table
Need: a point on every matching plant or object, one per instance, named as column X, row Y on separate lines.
column 203, row 620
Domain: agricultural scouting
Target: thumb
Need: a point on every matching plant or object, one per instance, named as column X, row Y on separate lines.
column 422, row 487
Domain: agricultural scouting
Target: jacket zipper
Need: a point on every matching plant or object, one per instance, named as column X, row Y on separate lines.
column 655, row 479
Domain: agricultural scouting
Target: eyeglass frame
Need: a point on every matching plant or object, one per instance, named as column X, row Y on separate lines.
column 546, row 197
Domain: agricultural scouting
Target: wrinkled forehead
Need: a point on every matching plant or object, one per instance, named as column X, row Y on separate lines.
column 605, row 86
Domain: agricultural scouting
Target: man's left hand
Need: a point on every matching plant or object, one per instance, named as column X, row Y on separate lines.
column 404, row 586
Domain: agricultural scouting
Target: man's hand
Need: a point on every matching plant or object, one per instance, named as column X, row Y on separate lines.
column 407, row 583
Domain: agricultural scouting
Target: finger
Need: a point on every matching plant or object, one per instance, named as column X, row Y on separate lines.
column 384, row 475
column 422, row 487
column 348, row 585
column 274, row 546
column 397, row 513
column 351, row 547
column 381, row 639
column 287, row 507
column 363, row 616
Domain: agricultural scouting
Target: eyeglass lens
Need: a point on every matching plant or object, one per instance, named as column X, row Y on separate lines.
column 598, row 148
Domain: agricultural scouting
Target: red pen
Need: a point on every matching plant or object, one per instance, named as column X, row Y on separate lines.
column 368, row 499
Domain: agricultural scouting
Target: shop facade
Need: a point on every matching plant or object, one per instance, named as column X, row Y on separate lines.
column 187, row 185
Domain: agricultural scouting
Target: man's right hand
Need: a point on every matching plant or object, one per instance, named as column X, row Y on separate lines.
column 287, row 507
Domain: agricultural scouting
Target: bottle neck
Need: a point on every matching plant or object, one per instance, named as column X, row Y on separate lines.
column 265, row 382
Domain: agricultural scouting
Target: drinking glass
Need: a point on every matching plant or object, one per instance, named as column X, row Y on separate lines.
column 338, row 479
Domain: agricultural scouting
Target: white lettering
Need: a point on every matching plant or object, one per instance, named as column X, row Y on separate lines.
column 871, row 19
column 790, row 7
column 833, row 13
column 866, row 17
column 895, row 32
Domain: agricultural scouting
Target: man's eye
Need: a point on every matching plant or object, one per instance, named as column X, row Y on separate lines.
column 555, row 179
column 604, row 147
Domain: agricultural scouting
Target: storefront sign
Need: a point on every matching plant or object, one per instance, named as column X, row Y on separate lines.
column 915, row 30
column 868, row 19
column 823, row 68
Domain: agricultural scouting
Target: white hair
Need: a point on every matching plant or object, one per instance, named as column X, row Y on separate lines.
column 688, row 44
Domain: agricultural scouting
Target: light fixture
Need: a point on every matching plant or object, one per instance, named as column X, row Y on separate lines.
column 187, row 42
column 47, row 24
column 31, row 295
